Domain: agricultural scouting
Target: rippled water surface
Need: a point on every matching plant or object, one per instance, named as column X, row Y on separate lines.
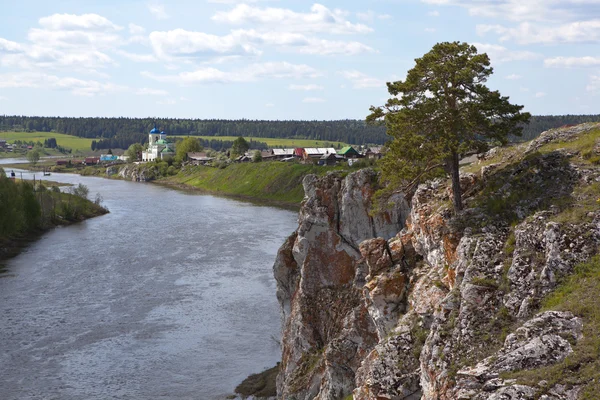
column 170, row 296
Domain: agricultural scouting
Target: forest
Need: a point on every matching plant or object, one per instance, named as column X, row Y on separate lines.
column 122, row 132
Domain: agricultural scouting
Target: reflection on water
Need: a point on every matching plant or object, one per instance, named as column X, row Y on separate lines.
column 169, row 296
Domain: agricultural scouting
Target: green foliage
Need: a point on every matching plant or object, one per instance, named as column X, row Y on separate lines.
column 273, row 181
column 33, row 156
column 260, row 385
column 18, row 209
column 239, row 147
column 257, row 157
column 442, row 110
column 80, row 190
column 578, row 294
column 187, row 145
column 134, row 151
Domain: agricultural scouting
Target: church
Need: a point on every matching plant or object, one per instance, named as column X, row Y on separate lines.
column 158, row 146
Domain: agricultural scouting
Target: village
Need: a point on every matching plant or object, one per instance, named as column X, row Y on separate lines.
column 162, row 148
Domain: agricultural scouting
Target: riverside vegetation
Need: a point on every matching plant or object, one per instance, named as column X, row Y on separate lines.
column 26, row 211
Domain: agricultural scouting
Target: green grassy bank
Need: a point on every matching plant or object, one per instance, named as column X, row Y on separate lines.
column 274, row 182
column 27, row 211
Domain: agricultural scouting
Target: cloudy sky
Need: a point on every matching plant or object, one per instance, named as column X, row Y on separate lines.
column 270, row 59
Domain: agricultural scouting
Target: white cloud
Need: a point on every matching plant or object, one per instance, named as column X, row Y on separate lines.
column 594, row 84
column 523, row 10
column 76, row 86
column 500, row 54
column 539, row 95
column 360, row 80
column 313, row 100
column 319, row 19
column 10, row 46
column 64, row 41
column 433, row 13
column 167, row 102
column 251, row 73
column 246, row 42
column 307, row 87
column 136, row 29
column 269, row 105
column 528, row 33
column 158, row 10
column 182, row 43
column 72, row 22
column 371, row 16
column 3, row 98
column 237, row 1
column 151, row 92
column 571, row 62
column 142, row 58
column 513, row 77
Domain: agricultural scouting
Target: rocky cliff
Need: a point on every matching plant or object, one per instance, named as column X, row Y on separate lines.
column 419, row 303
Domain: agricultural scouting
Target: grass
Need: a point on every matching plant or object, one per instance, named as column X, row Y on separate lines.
column 277, row 142
column 72, row 142
column 584, row 143
column 260, row 385
column 274, row 181
column 579, row 295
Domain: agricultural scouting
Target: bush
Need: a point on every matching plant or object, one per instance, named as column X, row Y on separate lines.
column 81, row 190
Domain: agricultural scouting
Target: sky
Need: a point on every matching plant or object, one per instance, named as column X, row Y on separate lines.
column 282, row 59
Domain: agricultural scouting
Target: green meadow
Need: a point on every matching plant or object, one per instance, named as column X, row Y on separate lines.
column 275, row 142
column 73, row 142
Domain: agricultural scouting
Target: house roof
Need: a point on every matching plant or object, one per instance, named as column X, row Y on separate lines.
column 319, row 150
column 348, row 149
column 283, row 152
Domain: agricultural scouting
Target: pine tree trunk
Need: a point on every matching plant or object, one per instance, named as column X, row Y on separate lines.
column 452, row 167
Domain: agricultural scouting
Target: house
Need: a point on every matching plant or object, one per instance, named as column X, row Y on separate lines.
column 3, row 143
column 62, row 162
column 349, row 152
column 279, row 154
column 328, row 159
column 374, row 153
column 315, row 153
column 199, row 158
column 91, row 160
column 158, row 146
column 108, row 157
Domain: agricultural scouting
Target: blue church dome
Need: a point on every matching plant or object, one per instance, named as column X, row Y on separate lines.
column 154, row 130
column 163, row 133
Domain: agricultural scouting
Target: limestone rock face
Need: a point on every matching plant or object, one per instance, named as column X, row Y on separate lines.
column 419, row 303
column 320, row 273
column 138, row 173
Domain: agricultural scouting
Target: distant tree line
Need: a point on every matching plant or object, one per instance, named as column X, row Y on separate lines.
column 129, row 130
column 122, row 132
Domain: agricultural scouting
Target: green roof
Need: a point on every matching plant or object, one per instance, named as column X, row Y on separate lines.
column 161, row 141
column 347, row 149
column 167, row 150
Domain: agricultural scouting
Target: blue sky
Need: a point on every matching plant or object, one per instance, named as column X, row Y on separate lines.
column 269, row 59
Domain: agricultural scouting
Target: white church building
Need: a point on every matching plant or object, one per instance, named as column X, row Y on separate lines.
column 158, row 146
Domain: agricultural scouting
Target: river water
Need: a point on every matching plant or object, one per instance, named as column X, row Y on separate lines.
column 170, row 296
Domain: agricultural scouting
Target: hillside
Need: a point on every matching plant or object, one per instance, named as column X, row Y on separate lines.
column 122, row 132
column 414, row 302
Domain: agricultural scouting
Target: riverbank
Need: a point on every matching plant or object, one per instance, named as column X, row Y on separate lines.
column 270, row 183
column 46, row 209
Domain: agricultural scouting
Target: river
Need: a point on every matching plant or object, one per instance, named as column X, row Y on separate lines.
column 169, row 296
